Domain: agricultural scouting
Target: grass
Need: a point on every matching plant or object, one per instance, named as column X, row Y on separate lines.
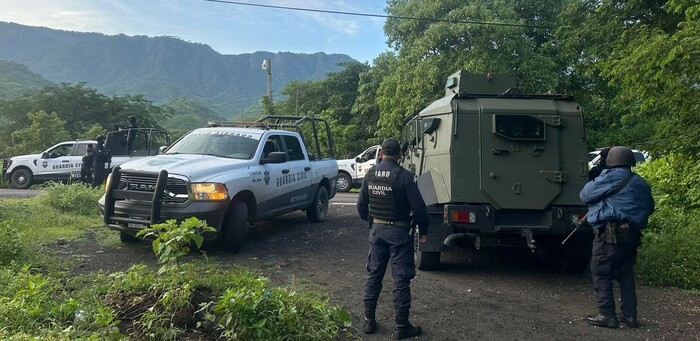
column 41, row 299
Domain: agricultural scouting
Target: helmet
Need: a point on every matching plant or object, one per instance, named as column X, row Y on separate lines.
column 132, row 118
column 100, row 138
column 620, row 156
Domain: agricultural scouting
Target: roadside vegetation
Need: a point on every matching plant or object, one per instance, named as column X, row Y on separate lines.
column 188, row 298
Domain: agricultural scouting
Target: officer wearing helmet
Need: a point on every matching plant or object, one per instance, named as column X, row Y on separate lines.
column 131, row 133
column 101, row 158
column 619, row 205
column 389, row 199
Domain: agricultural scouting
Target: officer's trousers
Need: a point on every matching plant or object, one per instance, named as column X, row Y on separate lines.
column 99, row 177
column 614, row 262
column 86, row 175
column 387, row 243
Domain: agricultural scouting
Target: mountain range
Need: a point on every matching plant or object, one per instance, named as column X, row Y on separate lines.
column 161, row 68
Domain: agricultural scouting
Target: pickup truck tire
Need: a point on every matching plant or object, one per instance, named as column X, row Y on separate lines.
column 344, row 182
column 234, row 233
column 427, row 260
column 22, row 178
column 127, row 238
column 318, row 210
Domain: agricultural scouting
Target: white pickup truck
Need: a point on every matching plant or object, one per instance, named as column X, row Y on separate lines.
column 62, row 161
column 229, row 176
column 351, row 172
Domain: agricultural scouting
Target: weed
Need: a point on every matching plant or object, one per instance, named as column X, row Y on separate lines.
column 77, row 198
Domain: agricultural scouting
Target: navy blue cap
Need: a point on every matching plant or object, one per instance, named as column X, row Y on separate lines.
column 391, row 147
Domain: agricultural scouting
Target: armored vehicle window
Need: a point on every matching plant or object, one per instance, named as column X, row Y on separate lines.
column 408, row 134
column 518, row 127
column 293, row 148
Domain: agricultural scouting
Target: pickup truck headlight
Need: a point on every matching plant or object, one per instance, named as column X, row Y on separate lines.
column 209, row 191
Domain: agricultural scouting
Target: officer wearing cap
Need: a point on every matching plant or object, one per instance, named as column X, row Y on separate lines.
column 390, row 200
column 101, row 158
column 86, row 166
column 619, row 205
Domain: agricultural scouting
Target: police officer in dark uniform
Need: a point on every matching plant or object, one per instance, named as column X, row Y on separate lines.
column 619, row 205
column 131, row 133
column 389, row 199
column 101, row 157
column 86, row 166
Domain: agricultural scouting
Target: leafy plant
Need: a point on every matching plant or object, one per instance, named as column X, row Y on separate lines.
column 173, row 240
column 12, row 245
column 76, row 198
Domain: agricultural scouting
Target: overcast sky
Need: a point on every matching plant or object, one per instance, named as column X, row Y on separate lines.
column 227, row 28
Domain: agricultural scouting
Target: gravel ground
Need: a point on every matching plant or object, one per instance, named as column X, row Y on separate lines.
column 484, row 295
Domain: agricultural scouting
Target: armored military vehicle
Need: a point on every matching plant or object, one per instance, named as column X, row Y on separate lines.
column 497, row 167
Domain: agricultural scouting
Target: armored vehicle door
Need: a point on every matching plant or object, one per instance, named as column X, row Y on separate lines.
column 520, row 152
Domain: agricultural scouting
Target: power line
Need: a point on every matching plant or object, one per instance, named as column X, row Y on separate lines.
column 378, row 15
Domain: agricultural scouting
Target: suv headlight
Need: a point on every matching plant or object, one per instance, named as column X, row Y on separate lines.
column 109, row 180
column 209, row 191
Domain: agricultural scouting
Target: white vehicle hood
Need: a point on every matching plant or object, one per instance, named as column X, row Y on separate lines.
column 345, row 162
column 26, row 157
column 198, row 168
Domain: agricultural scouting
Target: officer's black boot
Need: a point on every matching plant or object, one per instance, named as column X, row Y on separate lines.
column 370, row 326
column 405, row 329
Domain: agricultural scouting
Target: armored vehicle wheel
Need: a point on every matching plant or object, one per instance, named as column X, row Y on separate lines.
column 427, row 260
column 234, row 233
column 21, row 178
column 127, row 238
column 343, row 183
column 318, row 210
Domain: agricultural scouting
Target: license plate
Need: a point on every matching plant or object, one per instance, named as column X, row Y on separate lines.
column 137, row 226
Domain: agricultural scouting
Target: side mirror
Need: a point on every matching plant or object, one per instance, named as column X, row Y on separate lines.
column 44, row 155
column 430, row 125
column 275, row 157
column 161, row 149
column 358, row 160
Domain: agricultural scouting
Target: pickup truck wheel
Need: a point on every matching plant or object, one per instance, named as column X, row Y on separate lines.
column 21, row 179
column 427, row 260
column 343, row 183
column 127, row 238
column 318, row 210
column 234, row 233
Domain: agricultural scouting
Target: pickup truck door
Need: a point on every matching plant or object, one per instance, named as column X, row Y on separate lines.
column 57, row 163
column 368, row 158
column 298, row 180
column 273, row 196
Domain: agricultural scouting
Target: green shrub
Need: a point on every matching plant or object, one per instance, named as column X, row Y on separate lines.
column 12, row 244
column 257, row 312
column 76, row 198
column 670, row 252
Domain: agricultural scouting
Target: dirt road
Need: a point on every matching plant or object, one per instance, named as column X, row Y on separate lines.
column 484, row 295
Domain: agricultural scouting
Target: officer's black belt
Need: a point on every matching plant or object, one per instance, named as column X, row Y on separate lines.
column 388, row 222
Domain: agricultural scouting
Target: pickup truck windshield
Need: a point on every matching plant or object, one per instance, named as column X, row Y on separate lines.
column 228, row 144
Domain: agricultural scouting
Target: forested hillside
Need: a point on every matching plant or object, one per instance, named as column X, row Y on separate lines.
column 16, row 79
column 160, row 68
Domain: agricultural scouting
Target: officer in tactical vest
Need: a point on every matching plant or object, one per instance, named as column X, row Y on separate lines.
column 86, row 166
column 101, row 157
column 131, row 134
column 389, row 199
column 619, row 205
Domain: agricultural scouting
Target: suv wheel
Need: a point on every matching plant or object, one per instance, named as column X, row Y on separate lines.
column 318, row 210
column 343, row 183
column 234, row 233
column 21, row 178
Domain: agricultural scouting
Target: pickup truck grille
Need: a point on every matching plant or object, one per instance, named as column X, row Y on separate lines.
column 175, row 191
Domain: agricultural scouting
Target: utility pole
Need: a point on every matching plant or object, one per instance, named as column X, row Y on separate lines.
column 267, row 65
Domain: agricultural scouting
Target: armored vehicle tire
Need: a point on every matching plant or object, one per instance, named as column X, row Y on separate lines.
column 127, row 238
column 21, row 178
column 234, row 233
column 318, row 210
column 343, row 183
column 427, row 260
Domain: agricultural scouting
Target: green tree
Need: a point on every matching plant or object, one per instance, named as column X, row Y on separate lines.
column 428, row 51
column 44, row 131
column 93, row 132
